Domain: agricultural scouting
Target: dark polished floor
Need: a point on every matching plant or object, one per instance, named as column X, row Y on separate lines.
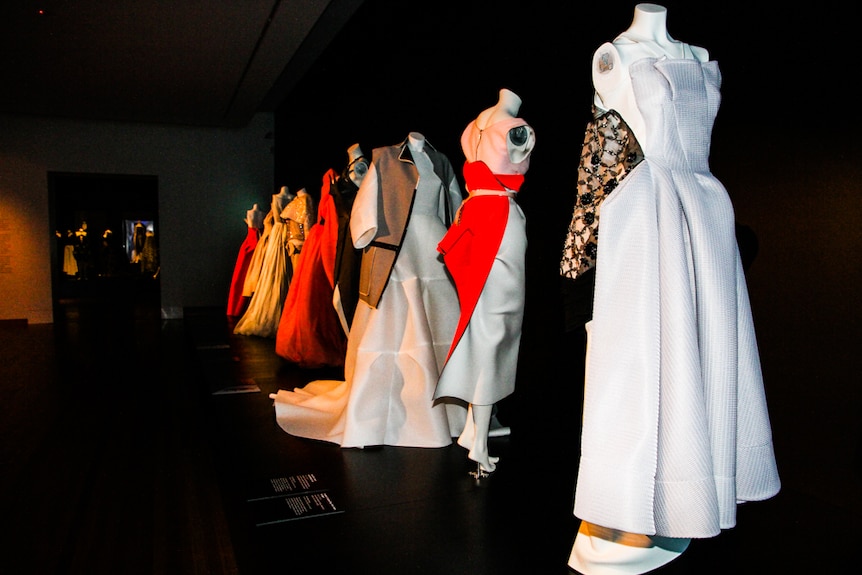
column 119, row 458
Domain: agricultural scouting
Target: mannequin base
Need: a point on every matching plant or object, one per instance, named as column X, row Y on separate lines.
column 594, row 555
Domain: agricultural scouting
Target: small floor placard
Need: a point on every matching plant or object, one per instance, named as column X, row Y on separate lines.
column 303, row 506
column 283, row 486
column 244, row 386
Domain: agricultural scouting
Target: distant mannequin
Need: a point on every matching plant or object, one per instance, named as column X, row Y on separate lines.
column 347, row 257
column 82, row 251
column 405, row 315
column 310, row 332
column 139, row 237
column 272, row 273
column 484, row 251
column 237, row 303
column 254, row 218
column 299, row 215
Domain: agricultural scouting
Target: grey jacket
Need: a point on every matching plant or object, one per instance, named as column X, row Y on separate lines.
column 397, row 177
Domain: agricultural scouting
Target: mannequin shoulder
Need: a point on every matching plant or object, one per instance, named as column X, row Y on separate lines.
column 520, row 142
column 700, row 54
column 606, row 58
column 610, row 65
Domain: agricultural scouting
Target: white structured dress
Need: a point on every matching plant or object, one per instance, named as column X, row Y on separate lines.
column 676, row 430
column 485, row 250
column 394, row 351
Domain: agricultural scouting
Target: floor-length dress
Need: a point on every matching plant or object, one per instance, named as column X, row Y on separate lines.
column 395, row 351
column 70, row 264
column 263, row 313
column 236, row 302
column 252, row 274
column 309, row 332
column 672, row 358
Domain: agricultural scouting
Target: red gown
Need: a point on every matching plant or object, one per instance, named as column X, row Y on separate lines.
column 236, row 302
column 309, row 332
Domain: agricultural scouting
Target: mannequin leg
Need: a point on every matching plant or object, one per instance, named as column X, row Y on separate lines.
column 475, row 437
column 456, row 413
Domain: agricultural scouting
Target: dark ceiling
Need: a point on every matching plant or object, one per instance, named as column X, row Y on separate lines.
column 199, row 63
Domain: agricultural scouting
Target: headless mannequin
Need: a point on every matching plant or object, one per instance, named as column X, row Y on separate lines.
column 647, row 37
column 416, row 141
column 300, row 211
column 347, row 268
column 507, row 106
column 284, row 192
column 598, row 549
column 254, row 217
column 520, row 142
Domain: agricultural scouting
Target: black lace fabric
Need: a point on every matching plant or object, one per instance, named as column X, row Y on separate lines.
column 609, row 153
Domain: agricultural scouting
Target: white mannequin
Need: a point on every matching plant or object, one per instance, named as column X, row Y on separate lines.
column 354, row 152
column 416, row 141
column 507, row 106
column 600, row 550
column 647, row 37
column 519, row 143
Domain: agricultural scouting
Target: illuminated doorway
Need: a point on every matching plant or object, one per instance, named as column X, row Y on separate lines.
column 93, row 222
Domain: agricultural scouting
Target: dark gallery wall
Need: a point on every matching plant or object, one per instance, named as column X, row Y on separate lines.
column 785, row 145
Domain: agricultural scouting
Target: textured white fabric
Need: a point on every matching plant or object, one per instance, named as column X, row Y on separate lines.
column 676, row 429
column 483, row 366
column 395, row 351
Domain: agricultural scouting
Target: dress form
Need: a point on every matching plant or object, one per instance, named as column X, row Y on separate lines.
column 507, row 106
column 254, row 217
column 237, row 302
column 600, row 550
column 399, row 335
column 347, row 258
column 299, row 215
column 497, row 144
column 646, row 37
column 269, row 273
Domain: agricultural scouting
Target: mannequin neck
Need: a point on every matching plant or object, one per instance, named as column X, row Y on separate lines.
column 416, row 141
column 649, row 23
column 354, row 152
column 507, row 106
column 509, row 102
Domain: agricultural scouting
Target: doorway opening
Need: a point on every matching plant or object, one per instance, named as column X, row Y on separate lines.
column 106, row 239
